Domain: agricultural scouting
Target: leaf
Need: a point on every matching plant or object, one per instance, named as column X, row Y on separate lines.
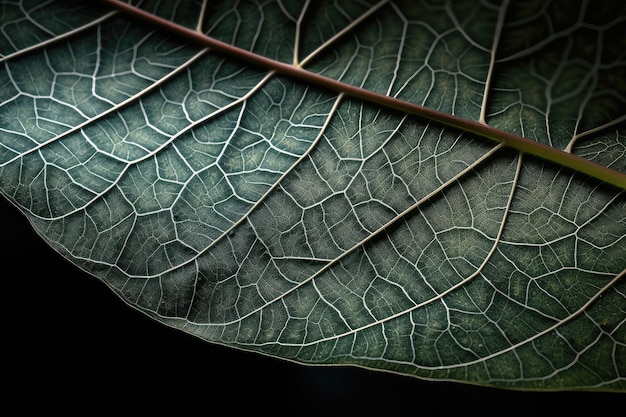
column 430, row 189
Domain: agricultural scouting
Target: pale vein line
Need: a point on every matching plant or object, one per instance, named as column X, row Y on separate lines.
column 296, row 47
column 492, row 62
column 164, row 145
column 268, row 76
column 576, row 137
column 164, row 79
column 372, row 236
column 201, row 16
column 244, row 98
column 342, row 32
column 511, row 348
column 113, row 109
column 544, row 332
column 261, row 200
column 58, row 38
column 452, row 288
column 400, row 53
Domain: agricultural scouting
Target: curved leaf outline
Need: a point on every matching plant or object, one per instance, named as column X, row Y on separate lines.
column 441, row 254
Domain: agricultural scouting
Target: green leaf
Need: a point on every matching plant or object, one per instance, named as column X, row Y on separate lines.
column 434, row 189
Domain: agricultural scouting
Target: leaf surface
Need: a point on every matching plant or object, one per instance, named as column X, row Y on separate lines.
column 254, row 204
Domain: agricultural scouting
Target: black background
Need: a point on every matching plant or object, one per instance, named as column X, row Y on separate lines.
column 72, row 341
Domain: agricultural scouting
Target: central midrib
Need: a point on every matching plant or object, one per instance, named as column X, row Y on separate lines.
column 509, row 139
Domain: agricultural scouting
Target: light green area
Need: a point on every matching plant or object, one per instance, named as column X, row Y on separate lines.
column 271, row 215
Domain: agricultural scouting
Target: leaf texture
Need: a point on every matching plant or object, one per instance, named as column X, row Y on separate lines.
column 268, row 213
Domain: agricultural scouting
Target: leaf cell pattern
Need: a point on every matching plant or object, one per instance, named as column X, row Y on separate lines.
column 263, row 212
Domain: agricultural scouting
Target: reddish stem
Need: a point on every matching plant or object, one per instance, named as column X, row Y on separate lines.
column 519, row 143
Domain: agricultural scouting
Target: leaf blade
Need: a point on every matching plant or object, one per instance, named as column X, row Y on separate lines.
column 302, row 223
